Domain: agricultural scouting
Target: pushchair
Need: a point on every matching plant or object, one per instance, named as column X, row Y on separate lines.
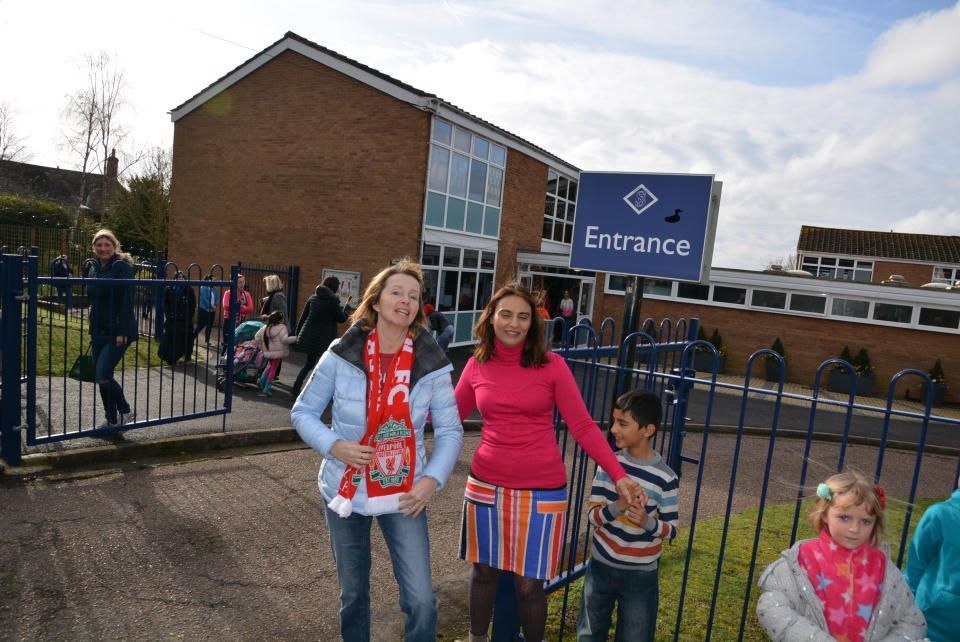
column 248, row 361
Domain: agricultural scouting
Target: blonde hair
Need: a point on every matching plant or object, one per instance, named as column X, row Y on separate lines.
column 863, row 492
column 272, row 283
column 110, row 236
column 365, row 312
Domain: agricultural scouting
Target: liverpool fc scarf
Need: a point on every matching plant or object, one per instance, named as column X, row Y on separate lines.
column 389, row 430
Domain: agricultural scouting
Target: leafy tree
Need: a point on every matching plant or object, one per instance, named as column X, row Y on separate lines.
column 140, row 215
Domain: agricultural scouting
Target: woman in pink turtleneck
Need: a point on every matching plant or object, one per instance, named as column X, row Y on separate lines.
column 515, row 501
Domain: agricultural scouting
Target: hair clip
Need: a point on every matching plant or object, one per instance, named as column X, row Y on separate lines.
column 823, row 492
column 882, row 495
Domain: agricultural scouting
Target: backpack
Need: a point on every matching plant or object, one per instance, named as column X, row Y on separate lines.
column 60, row 267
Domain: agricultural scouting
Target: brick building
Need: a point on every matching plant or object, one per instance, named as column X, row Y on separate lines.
column 302, row 156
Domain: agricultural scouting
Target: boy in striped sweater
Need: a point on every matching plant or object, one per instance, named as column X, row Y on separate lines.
column 628, row 539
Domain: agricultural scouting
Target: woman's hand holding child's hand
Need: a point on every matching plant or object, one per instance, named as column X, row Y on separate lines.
column 627, row 489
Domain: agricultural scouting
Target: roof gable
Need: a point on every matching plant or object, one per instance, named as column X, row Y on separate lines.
column 378, row 80
column 929, row 248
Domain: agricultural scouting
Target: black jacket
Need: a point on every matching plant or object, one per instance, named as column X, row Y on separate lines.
column 317, row 326
column 111, row 306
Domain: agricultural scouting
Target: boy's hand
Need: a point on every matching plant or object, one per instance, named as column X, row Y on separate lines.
column 637, row 509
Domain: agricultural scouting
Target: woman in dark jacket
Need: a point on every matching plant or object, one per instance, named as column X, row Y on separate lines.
column 179, row 302
column 113, row 325
column 317, row 327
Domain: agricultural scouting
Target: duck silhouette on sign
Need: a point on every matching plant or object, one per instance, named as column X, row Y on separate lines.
column 673, row 218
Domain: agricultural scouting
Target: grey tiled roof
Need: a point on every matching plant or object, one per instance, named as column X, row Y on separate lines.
column 886, row 245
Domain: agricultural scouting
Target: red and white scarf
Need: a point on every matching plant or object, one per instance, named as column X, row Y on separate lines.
column 389, row 430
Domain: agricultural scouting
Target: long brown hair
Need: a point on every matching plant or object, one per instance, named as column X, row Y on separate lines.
column 534, row 346
column 371, row 295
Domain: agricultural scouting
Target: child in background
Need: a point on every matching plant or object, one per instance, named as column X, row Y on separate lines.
column 628, row 539
column 933, row 568
column 839, row 585
column 275, row 342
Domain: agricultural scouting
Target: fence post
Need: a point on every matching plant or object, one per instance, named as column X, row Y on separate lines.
column 12, row 289
column 293, row 301
column 681, row 395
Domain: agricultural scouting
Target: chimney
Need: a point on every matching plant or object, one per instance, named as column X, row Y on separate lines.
column 112, row 165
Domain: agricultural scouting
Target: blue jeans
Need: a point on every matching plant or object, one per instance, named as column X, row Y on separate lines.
column 106, row 355
column 409, row 546
column 636, row 595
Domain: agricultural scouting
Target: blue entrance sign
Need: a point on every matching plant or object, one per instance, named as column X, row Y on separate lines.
column 657, row 225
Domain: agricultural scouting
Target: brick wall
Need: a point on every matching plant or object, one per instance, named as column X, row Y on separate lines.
column 809, row 342
column 914, row 273
column 298, row 164
column 524, row 194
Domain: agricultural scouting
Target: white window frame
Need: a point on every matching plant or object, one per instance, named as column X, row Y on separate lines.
column 555, row 174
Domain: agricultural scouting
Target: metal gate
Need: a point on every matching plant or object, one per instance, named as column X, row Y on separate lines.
column 749, row 454
column 289, row 276
column 47, row 395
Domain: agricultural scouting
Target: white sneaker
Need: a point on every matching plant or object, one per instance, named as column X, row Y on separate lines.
column 127, row 418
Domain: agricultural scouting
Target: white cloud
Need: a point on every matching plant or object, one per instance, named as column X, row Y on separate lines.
column 935, row 221
column 920, row 50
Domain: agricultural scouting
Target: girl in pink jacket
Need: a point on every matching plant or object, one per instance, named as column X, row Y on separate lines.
column 274, row 341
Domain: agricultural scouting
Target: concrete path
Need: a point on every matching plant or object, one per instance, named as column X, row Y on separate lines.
column 234, row 545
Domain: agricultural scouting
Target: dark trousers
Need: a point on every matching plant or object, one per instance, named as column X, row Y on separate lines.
column 204, row 321
column 305, row 371
column 106, row 355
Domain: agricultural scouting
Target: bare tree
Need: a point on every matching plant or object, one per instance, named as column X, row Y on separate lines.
column 11, row 145
column 786, row 262
column 94, row 130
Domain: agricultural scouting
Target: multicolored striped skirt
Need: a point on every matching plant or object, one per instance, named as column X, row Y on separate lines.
column 513, row 530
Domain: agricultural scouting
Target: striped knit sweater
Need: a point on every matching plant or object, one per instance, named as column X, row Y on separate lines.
column 617, row 541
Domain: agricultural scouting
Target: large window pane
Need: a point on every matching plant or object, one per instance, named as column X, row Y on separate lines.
column 431, row 254
column 494, row 186
column 567, row 233
column 478, row 180
column 939, row 318
column 461, row 140
column 572, row 191
column 481, row 147
column 808, row 303
column 474, row 218
column 487, row 260
column 459, row 169
column 723, row 294
column 769, row 299
column 498, row 155
column 430, row 279
column 448, row 290
column 468, row 290
column 484, row 288
column 471, row 258
column 558, row 232
column 455, row 213
column 552, row 182
column 617, row 282
column 491, row 221
column 562, row 187
column 657, row 286
column 693, row 291
column 442, row 131
column 850, row 308
column 892, row 312
column 439, row 166
column 570, row 208
column 547, row 228
column 549, row 206
column 451, row 257
column 435, row 206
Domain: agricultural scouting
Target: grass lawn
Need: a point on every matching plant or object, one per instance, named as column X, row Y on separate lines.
column 774, row 538
column 61, row 339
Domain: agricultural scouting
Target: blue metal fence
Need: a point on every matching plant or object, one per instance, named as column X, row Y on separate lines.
column 162, row 384
column 741, row 447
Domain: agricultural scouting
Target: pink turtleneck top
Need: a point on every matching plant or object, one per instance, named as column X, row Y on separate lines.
column 518, row 448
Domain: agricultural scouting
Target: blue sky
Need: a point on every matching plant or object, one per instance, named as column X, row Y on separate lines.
column 841, row 114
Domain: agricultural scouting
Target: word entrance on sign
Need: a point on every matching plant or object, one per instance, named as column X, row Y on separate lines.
column 641, row 244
